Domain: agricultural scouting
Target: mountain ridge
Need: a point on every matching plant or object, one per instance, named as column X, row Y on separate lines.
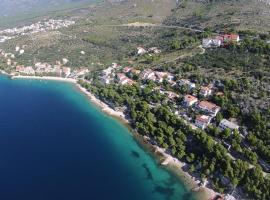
column 13, row 7
column 220, row 15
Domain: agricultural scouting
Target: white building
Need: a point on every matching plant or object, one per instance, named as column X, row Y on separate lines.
column 21, row 51
column 160, row 76
column 66, row 71
column 170, row 78
column 65, row 61
column 229, row 197
column 148, row 74
column 154, row 50
column 209, row 42
column 226, row 124
column 186, row 82
column 141, row 51
column 206, row 91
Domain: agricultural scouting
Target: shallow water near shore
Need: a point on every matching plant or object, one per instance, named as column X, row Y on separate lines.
column 55, row 144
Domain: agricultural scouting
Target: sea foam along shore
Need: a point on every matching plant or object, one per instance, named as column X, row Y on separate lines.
column 173, row 164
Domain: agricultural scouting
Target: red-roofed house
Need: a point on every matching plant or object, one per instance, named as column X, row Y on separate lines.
column 123, row 80
column 121, row 76
column 202, row 121
column 189, row 100
column 126, row 81
column 127, row 69
column 209, row 107
column 227, row 38
column 19, row 68
column 231, row 37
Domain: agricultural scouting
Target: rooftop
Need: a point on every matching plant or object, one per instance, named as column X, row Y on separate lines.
column 208, row 105
column 229, row 124
column 189, row 98
column 203, row 118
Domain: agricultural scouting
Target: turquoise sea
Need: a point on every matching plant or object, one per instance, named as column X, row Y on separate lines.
column 55, row 144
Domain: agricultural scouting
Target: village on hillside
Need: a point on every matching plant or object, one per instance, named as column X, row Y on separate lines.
column 189, row 100
column 195, row 107
column 41, row 26
column 41, row 69
column 117, row 74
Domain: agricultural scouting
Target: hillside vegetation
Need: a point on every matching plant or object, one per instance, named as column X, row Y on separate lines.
column 93, row 33
column 220, row 14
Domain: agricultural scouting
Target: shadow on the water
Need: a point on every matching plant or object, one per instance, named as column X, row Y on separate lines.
column 148, row 172
column 188, row 196
column 168, row 192
column 170, row 181
column 135, row 154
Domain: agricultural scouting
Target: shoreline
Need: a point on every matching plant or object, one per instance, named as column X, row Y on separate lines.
column 49, row 78
column 174, row 166
column 103, row 106
column 166, row 160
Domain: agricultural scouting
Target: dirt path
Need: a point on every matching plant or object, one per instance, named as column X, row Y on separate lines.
column 141, row 24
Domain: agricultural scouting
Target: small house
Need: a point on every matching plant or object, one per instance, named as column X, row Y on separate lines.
column 186, row 82
column 190, row 100
column 206, row 91
column 226, row 124
column 209, row 107
column 202, row 121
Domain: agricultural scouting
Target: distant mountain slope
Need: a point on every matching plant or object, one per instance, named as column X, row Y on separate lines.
column 235, row 14
column 129, row 11
column 14, row 7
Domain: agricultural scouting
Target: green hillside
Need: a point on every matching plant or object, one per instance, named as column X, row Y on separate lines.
column 229, row 14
